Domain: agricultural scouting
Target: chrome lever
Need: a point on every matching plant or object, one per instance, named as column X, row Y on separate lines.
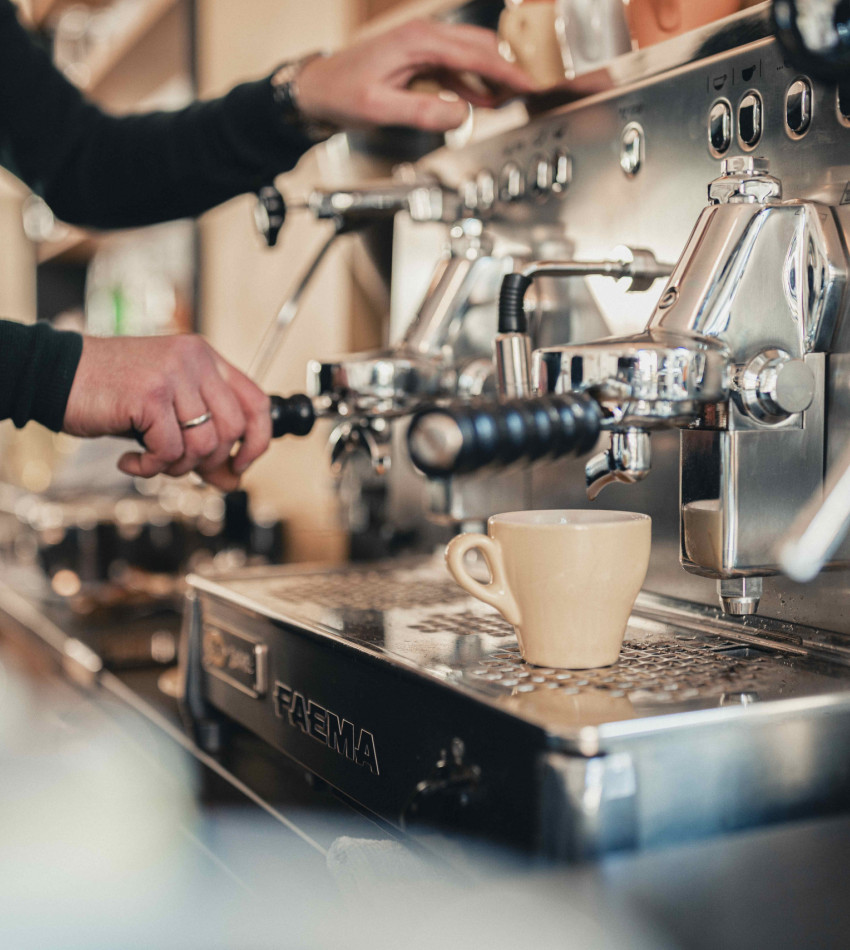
column 277, row 329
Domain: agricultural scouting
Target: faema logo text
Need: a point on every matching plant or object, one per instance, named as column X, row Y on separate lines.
column 325, row 726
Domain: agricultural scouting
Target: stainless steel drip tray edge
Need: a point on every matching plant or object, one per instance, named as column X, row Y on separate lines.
column 764, row 632
column 590, row 739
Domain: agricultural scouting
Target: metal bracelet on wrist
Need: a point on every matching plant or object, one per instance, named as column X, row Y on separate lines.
column 284, row 83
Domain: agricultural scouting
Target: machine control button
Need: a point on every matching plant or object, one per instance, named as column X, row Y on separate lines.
column 632, row 149
column 798, row 107
column 511, row 183
column 750, row 119
column 562, row 170
column 720, row 127
column 540, row 177
column 485, row 184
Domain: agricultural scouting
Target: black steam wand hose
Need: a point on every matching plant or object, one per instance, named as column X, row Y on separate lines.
column 511, row 296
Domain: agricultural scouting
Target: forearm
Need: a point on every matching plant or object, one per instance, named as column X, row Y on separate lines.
column 105, row 171
column 37, row 368
column 144, row 169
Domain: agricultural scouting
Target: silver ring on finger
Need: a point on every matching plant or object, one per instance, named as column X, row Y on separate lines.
column 197, row 421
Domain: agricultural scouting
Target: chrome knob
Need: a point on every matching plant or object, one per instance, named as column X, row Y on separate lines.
column 788, row 387
column 773, row 386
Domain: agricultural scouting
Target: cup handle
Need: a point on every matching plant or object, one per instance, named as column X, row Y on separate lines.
column 496, row 593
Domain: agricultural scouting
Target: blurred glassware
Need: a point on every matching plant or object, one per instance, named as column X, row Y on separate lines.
column 83, row 34
column 73, row 41
column 141, row 283
column 591, row 33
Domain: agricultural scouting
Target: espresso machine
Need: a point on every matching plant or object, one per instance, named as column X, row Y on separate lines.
column 663, row 294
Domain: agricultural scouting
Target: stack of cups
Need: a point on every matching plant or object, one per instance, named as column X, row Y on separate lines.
column 554, row 40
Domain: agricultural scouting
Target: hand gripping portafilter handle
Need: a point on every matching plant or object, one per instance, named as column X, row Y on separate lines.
column 460, row 438
column 290, row 415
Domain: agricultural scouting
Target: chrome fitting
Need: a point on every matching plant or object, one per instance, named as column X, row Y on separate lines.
column 744, row 180
column 740, row 596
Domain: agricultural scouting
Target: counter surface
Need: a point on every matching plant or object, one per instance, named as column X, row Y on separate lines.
column 260, row 850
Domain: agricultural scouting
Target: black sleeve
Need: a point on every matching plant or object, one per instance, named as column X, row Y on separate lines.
column 106, row 171
column 37, row 367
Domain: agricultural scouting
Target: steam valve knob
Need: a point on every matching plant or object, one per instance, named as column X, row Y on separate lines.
column 291, row 415
column 269, row 213
column 774, row 386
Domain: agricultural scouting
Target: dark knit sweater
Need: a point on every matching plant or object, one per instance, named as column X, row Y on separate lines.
column 106, row 171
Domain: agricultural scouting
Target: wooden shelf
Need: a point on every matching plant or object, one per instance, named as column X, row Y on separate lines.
column 98, row 70
column 401, row 13
column 103, row 63
column 130, row 68
column 41, row 11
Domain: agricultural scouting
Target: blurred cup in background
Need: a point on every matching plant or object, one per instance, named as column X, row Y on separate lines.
column 527, row 36
column 591, row 33
column 652, row 21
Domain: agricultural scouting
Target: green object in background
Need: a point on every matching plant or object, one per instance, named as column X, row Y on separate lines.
column 119, row 309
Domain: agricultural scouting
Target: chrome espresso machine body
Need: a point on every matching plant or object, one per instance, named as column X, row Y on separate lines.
column 722, row 159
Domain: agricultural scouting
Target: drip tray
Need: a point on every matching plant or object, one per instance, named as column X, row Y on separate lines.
column 412, row 699
column 675, row 659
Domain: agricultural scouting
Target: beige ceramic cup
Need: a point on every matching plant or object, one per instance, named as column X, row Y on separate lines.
column 702, row 522
column 527, row 33
column 566, row 579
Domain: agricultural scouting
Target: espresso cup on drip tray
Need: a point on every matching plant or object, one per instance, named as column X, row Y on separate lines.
column 566, row 579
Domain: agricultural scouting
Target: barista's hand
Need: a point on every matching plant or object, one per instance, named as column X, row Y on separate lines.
column 151, row 384
column 369, row 83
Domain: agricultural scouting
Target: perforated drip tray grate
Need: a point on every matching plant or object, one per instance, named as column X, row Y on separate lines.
column 659, row 672
column 417, row 616
column 368, row 590
column 464, row 623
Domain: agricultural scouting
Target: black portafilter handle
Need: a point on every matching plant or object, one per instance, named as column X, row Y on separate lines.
column 463, row 437
column 291, row 415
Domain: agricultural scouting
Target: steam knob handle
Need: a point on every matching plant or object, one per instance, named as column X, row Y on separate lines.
column 269, row 213
column 291, row 415
column 787, row 387
column 774, row 386
column 460, row 438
